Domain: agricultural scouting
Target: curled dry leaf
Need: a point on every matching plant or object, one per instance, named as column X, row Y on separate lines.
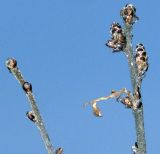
column 127, row 100
column 96, row 110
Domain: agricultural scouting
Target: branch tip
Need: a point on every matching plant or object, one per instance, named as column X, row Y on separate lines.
column 128, row 13
column 11, row 63
column 33, row 115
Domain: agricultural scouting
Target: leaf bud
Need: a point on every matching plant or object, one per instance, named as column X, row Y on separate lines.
column 11, row 63
column 27, row 87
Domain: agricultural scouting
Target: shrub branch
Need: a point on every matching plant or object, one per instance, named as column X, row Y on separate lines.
column 35, row 113
column 138, row 114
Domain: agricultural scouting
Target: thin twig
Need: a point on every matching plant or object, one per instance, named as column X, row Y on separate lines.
column 39, row 122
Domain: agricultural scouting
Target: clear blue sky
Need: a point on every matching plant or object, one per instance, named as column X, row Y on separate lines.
column 60, row 49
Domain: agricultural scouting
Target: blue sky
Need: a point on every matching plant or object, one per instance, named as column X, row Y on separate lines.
column 60, row 49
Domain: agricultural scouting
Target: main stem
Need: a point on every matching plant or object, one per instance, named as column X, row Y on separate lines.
column 138, row 114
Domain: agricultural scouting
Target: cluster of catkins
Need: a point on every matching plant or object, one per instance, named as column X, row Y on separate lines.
column 118, row 40
column 128, row 14
column 141, row 60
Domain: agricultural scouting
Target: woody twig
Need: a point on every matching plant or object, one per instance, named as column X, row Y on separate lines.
column 34, row 114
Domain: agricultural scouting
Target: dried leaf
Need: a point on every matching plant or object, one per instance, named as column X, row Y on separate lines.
column 96, row 110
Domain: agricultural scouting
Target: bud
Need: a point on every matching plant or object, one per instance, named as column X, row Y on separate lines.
column 59, row 151
column 27, row 87
column 128, row 14
column 137, row 98
column 118, row 40
column 141, row 60
column 135, row 148
column 137, row 93
column 11, row 63
column 31, row 116
column 127, row 102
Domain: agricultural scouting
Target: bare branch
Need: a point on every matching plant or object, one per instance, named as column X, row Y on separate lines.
column 33, row 115
column 135, row 69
